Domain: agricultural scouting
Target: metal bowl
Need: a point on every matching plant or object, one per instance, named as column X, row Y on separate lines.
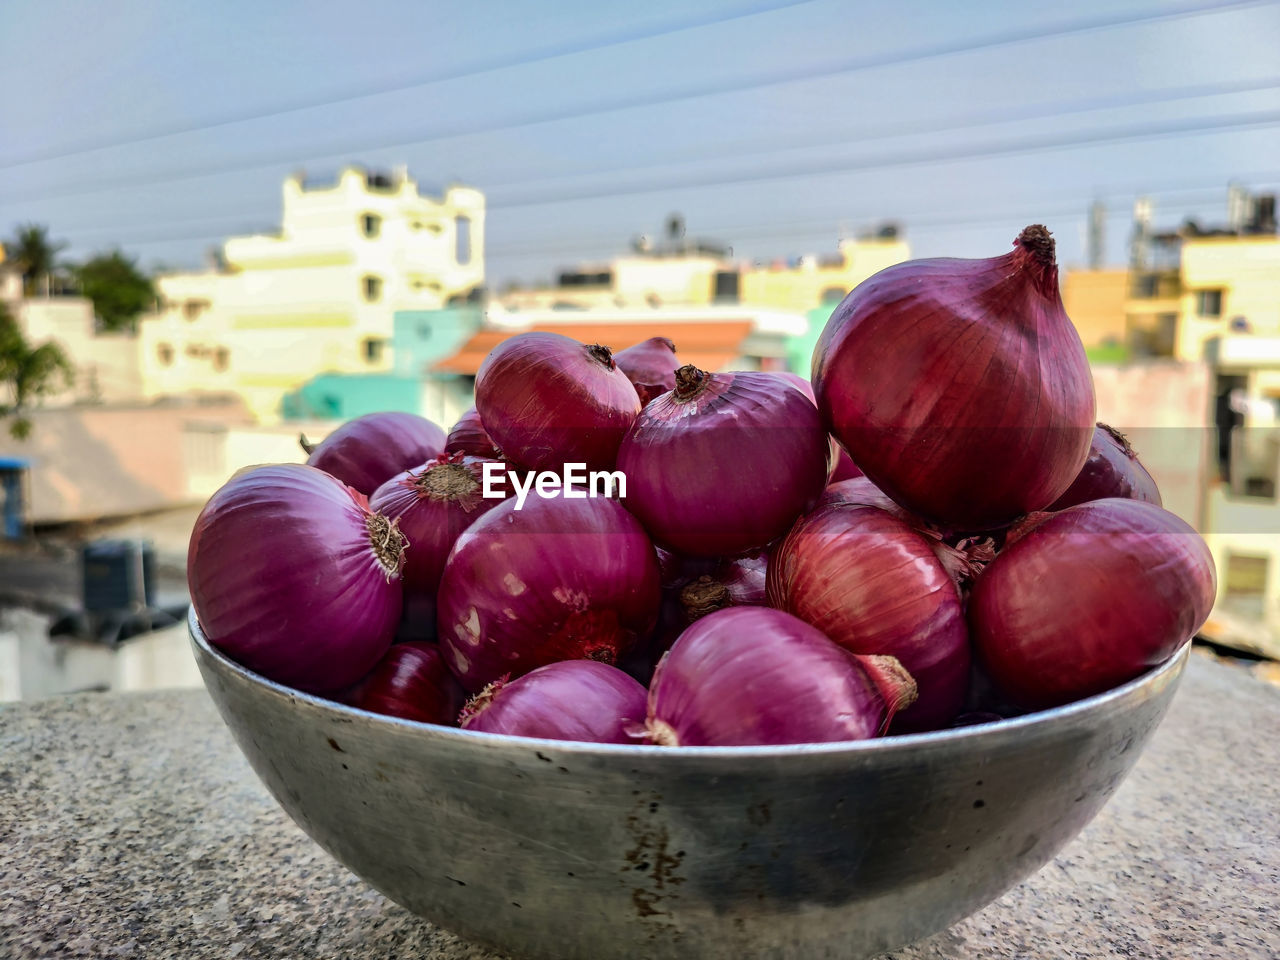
column 549, row 849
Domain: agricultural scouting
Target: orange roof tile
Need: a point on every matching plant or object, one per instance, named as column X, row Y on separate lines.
column 707, row 344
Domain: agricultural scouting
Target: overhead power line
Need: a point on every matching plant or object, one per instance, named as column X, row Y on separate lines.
column 976, row 119
column 689, row 92
column 1031, row 144
column 611, row 38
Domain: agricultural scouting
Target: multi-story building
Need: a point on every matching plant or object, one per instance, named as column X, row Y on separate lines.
column 319, row 296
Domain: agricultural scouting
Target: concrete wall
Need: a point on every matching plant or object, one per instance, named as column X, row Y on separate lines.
column 91, row 462
column 107, row 367
column 33, row 667
column 1164, row 409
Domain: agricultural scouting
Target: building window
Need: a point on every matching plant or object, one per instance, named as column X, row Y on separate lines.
column 372, row 347
column 463, row 240
column 834, row 294
column 370, row 224
column 1209, row 303
column 165, row 352
column 725, row 287
column 193, row 308
column 221, row 359
column 372, row 288
column 1146, row 285
column 424, row 331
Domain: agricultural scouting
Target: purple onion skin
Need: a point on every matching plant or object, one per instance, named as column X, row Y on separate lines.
column 469, row 436
column 432, row 505
column 1089, row 599
column 285, row 577
column 365, row 452
column 960, row 387
column 411, row 682
column 755, row 676
column 570, row 700
column 797, row 381
column 724, row 464
column 1112, row 470
column 650, row 366
column 874, row 585
column 547, row 400
column 557, row 580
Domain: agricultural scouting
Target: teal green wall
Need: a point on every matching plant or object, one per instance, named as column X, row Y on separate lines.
column 800, row 349
column 422, row 338
column 340, row 396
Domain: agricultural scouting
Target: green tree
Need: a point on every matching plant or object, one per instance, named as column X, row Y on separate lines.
column 118, row 289
column 35, row 254
column 27, row 373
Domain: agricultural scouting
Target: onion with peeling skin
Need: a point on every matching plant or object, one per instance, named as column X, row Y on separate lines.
column 960, row 387
column 650, row 366
column 293, row 576
column 468, row 435
column 1112, row 470
column 569, row 700
column 1088, row 599
column 751, row 675
column 366, row 452
column 684, row 458
column 411, row 682
column 547, row 400
column 874, row 585
column 556, row 580
column 432, row 505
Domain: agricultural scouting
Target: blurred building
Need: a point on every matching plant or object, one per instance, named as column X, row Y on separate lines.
column 105, row 364
column 682, row 271
column 320, row 296
column 1209, row 297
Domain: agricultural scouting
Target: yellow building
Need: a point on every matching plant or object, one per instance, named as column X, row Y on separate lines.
column 1095, row 302
column 813, row 281
column 697, row 273
column 321, row 295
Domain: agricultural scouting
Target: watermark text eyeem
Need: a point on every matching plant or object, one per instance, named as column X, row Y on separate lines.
column 575, row 483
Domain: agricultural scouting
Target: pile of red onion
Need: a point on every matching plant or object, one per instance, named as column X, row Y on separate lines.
column 622, row 548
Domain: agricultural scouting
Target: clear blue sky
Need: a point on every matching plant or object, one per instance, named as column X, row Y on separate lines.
column 80, row 73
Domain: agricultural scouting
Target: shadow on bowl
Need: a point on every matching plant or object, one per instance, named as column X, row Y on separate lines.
column 557, row 850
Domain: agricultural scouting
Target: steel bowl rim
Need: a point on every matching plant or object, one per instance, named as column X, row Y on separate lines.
column 899, row 742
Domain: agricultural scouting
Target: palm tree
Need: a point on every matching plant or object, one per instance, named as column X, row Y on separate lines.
column 35, row 254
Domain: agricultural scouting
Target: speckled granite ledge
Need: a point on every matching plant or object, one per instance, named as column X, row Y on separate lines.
column 130, row 826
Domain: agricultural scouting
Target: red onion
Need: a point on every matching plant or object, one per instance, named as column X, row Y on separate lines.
column 797, row 381
column 568, row 700
column 558, row 580
column 1088, row 599
column 960, row 387
column 724, row 463
column 548, row 400
column 650, row 366
column 432, row 505
column 468, row 435
column 410, row 682
column 1112, row 470
column 294, row 577
column 875, row 586
column 751, row 675
column 365, row 452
